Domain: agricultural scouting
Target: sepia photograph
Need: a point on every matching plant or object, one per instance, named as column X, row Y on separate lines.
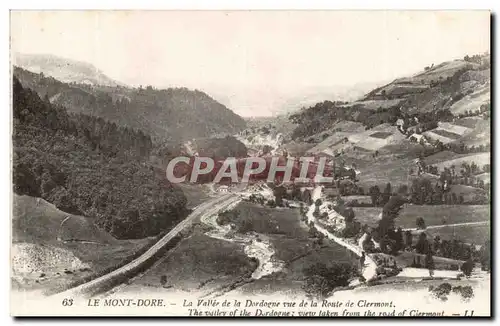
column 251, row 163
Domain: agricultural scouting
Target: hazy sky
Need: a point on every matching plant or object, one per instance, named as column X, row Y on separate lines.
column 254, row 59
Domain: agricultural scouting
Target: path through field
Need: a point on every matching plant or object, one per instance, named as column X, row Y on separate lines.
column 447, row 225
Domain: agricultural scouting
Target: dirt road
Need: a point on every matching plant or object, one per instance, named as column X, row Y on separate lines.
column 369, row 270
column 448, row 225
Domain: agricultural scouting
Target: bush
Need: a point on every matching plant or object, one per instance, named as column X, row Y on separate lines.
column 420, row 222
column 321, row 280
column 465, row 291
column 441, row 291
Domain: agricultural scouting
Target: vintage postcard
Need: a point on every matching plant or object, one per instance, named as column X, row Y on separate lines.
column 251, row 163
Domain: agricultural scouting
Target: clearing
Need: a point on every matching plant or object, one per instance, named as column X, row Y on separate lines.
column 432, row 214
column 51, row 248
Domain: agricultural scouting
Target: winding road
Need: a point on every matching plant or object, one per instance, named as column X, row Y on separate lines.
column 123, row 273
column 369, row 270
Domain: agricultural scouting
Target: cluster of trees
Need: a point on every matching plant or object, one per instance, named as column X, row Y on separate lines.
column 392, row 240
column 453, row 248
column 437, row 146
column 350, row 189
column 423, row 191
column 352, row 226
column 466, row 175
column 322, row 116
column 321, row 279
column 281, row 197
column 385, row 233
column 450, row 174
column 221, row 148
column 483, row 60
column 87, row 166
column 379, row 198
column 461, row 148
column 317, row 118
column 444, row 289
column 424, row 121
column 484, row 108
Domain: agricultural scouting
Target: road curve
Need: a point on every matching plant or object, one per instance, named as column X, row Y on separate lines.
column 122, row 273
column 369, row 269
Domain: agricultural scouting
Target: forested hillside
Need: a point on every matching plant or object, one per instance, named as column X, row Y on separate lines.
column 174, row 114
column 85, row 165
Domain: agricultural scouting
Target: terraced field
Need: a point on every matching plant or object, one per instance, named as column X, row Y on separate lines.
column 471, row 102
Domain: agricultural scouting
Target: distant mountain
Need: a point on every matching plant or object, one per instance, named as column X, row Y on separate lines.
column 174, row 114
column 65, row 70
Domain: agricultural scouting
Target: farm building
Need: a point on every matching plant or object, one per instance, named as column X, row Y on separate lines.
column 223, row 189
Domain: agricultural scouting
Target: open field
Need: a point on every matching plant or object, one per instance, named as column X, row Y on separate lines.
column 468, row 192
column 485, row 177
column 471, row 131
column 269, row 221
column 476, row 234
column 421, row 80
column 297, row 148
column 480, row 159
column 433, row 136
column 385, row 169
column 473, row 123
column 198, row 262
column 289, row 236
column 195, row 194
column 481, row 135
column 340, row 131
column 381, row 134
column 443, row 156
column 356, row 135
column 432, row 214
column 471, row 102
column 359, row 199
column 453, row 128
column 446, row 133
column 376, row 104
column 374, row 143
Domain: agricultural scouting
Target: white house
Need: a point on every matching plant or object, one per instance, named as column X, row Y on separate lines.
column 223, row 188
